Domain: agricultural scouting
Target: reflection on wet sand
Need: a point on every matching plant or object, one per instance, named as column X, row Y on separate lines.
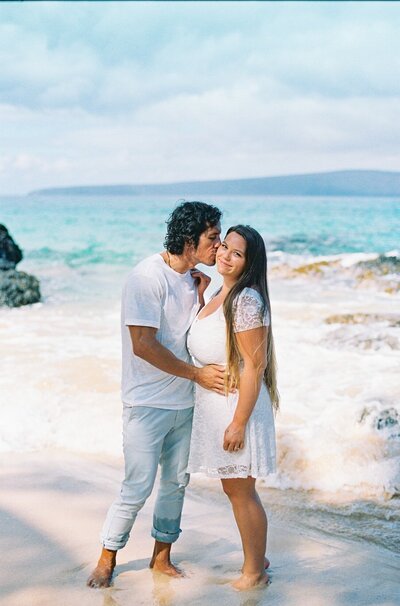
column 163, row 593
column 251, row 602
column 108, row 599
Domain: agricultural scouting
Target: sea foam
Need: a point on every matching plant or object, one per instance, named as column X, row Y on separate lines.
column 338, row 428
column 338, row 425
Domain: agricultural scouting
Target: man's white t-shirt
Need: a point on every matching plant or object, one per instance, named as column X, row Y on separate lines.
column 156, row 295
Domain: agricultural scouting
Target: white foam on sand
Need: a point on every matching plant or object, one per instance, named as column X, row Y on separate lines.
column 52, row 507
column 59, row 387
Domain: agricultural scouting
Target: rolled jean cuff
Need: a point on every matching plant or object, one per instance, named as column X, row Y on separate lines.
column 165, row 537
column 112, row 546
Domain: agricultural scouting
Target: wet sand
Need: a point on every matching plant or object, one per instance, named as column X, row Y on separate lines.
column 51, row 509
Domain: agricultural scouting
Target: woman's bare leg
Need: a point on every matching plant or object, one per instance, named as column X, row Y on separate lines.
column 252, row 524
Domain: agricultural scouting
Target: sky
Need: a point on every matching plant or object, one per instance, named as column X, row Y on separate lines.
column 154, row 92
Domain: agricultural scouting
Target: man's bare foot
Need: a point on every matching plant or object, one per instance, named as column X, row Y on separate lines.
column 250, row 581
column 102, row 574
column 161, row 561
column 166, row 567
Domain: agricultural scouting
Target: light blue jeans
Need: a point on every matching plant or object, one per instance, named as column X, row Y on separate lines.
column 151, row 436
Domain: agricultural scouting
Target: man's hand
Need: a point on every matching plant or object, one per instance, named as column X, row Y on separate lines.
column 202, row 281
column 234, row 437
column 211, row 377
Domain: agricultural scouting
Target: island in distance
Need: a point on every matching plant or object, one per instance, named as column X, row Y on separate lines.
column 336, row 183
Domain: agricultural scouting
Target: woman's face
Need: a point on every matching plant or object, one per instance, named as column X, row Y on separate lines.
column 231, row 256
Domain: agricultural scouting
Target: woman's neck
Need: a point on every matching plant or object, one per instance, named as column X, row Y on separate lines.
column 227, row 286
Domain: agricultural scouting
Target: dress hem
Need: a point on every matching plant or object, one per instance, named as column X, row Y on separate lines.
column 214, row 474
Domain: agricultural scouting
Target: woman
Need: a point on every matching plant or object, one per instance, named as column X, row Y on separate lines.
column 233, row 435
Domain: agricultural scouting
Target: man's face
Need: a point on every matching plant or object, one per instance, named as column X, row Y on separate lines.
column 209, row 242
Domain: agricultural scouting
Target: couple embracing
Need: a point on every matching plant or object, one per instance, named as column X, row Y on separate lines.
column 171, row 340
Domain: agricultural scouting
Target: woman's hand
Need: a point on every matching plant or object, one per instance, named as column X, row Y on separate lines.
column 234, row 437
column 202, row 281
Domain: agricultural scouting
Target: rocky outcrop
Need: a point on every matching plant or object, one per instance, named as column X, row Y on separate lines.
column 382, row 265
column 16, row 287
column 10, row 252
column 363, row 318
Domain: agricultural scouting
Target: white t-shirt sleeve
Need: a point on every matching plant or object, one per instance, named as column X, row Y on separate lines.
column 142, row 301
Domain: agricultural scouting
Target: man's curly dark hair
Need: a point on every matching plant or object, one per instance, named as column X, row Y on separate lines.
column 187, row 222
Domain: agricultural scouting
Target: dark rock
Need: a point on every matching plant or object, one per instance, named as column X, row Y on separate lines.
column 363, row 318
column 18, row 288
column 387, row 418
column 382, row 265
column 10, row 252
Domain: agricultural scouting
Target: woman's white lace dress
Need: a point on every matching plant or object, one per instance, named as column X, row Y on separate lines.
column 214, row 412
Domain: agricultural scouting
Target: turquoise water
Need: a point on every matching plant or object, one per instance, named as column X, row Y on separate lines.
column 81, row 247
column 85, row 230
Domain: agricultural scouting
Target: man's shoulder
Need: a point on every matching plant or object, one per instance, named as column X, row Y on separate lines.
column 149, row 269
column 148, row 266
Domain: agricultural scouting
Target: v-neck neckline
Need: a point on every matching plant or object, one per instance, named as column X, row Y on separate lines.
column 208, row 315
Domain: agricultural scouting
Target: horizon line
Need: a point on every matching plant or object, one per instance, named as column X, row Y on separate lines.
column 203, row 181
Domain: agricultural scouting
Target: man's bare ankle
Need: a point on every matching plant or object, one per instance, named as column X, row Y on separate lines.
column 161, row 551
column 108, row 556
column 102, row 574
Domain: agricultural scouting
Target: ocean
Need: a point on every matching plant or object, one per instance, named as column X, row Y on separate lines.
column 334, row 284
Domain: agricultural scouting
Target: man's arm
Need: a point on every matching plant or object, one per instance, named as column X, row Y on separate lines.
column 146, row 346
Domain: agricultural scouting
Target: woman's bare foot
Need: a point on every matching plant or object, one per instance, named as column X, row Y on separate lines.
column 267, row 564
column 102, row 574
column 250, row 581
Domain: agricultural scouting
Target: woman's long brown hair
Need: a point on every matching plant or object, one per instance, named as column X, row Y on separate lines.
column 254, row 276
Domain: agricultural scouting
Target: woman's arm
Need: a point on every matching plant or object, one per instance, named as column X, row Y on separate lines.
column 252, row 345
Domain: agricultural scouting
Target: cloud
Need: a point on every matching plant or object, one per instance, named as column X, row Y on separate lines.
column 145, row 92
column 218, row 134
column 102, row 57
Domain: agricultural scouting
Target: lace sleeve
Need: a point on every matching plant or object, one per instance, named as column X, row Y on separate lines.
column 248, row 311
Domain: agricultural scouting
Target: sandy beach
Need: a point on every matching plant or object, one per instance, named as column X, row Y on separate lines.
column 52, row 507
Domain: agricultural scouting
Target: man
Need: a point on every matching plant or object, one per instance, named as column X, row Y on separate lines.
column 161, row 297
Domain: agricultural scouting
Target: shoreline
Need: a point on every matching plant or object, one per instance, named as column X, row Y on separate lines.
column 52, row 506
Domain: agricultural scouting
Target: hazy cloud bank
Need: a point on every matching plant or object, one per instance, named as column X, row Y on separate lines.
column 104, row 93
